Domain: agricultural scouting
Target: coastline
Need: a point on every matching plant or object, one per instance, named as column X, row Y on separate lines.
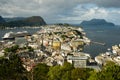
column 93, row 33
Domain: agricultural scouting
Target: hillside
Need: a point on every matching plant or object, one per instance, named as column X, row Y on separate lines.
column 30, row 21
column 97, row 22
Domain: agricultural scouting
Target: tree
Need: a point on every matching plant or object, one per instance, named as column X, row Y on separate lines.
column 80, row 73
column 10, row 50
column 60, row 72
column 12, row 69
column 54, row 73
column 93, row 76
column 66, row 75
column 110, row 71
column 40, row 72
column 66, row 71
column 30, row 49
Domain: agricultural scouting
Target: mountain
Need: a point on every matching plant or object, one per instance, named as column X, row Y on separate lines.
column 35, row 20
column 97, row 22
column 14, row 19
column 2, row 20
column 30, row 21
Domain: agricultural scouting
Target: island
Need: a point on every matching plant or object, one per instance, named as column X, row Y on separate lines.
column 97, row 22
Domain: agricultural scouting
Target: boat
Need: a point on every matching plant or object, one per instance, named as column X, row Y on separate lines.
column 11, row 35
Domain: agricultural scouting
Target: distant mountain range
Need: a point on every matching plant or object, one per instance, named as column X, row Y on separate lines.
column 97, row 22
column 21, row 21
column 38, row 21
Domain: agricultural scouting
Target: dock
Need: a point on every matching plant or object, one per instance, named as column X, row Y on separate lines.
column 100, row 43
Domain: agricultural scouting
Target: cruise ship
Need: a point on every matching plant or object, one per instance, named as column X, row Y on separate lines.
column 11, row 35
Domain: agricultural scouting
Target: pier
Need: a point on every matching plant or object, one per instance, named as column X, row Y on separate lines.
column 100, row 43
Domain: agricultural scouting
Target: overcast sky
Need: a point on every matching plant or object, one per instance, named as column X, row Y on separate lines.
column 65, row 11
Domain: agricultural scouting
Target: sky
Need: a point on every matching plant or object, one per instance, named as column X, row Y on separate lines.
column 63, row 11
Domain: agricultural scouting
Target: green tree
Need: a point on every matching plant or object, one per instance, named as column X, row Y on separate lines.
column 10, row 50
column 110, row 71
column 12, row 69
column 40, row 72
column 80, row 73
column 93, row 76
column 66, row 71
column 66, row 75
column 54, row 73
column 60, row 72
column 30, row 49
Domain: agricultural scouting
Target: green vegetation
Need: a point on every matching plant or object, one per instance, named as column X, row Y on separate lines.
column 81, row 74
column 14, row 49
column 40, row 72
column 11, row 51
column 68, row 72
column 110, row 71
column 60, row 72
column 12, row 69
column 30, row 49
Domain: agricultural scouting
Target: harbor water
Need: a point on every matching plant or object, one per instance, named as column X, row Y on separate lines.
column 108, row 35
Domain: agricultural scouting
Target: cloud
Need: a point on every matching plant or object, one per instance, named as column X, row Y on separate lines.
column 108, row 3
column 49, row 9
column 60, row 10
column 88, row 12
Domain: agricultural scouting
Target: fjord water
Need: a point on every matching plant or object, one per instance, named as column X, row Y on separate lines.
column 104, row 34
column 110, row 35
